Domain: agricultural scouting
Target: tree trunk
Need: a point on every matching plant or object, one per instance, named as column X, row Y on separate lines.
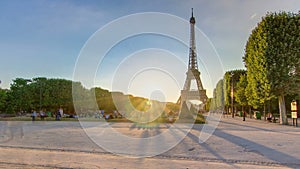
column 264, row 112
column 282, row 109
column 269, row 106
column 250, row 112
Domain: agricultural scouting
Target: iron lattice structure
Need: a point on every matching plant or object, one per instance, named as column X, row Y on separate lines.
column 193, row 72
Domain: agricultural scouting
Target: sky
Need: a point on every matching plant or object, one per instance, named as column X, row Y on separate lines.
column 45, row 38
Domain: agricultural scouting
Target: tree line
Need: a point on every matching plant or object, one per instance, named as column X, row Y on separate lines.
column 272, row 61
column 26, row 95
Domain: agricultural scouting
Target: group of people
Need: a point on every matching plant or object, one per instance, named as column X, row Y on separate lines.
column 42, row 114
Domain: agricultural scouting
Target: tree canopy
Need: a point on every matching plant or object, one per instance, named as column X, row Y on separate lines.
column 241, row 97
column 51, row 94
column 272, row 59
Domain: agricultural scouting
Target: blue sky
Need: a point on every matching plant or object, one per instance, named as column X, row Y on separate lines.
column 44, row 37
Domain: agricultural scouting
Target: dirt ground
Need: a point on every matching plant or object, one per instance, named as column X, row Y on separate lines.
column 233, row 144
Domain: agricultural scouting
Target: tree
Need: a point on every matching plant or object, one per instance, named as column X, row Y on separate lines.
column 43, row 94
column 220, row 95
column 208, row 104
column 51, row 94
column 231, row 78
column 240, row 94
column 3, row 97
column 213, row 104
column 18, row 96
column 104, row 99
column 272, row 59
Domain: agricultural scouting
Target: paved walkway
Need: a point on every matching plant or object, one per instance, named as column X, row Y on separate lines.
column 234, row 144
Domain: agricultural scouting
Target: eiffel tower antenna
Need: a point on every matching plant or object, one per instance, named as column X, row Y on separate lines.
column 193, row 73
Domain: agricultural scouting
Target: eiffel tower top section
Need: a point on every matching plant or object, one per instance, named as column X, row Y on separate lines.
column 192, row 20
column 193, row 65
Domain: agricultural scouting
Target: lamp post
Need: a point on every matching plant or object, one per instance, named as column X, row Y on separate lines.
column 26, row 97
column 231, row 75
column 41, row 85
column 40, row 98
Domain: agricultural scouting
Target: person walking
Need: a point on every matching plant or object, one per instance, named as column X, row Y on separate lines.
column 57, row 115
column 61, row 112
column 42, row 114
column 33, row 115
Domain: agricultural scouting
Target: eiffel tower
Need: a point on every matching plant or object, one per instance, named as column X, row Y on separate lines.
column 192, row 73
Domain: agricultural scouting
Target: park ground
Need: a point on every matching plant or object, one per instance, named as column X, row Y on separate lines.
column 234, row 144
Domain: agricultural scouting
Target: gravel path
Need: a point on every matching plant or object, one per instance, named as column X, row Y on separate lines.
column 234, row 144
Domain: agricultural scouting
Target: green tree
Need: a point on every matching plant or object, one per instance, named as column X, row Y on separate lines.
column 44, row 94
column 83, row 99
column 51, row 94
column 272, row 59
column 220, row 95
column 18, row 96
column 208, row 104
column 3, row 99
column 240, row 94
column 231, row 79
column 213, row 104
column 104, row 100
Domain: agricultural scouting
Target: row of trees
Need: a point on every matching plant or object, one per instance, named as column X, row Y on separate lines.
column 232, row 84
column 45, row 94
column 40, row 93
column 272, row 59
